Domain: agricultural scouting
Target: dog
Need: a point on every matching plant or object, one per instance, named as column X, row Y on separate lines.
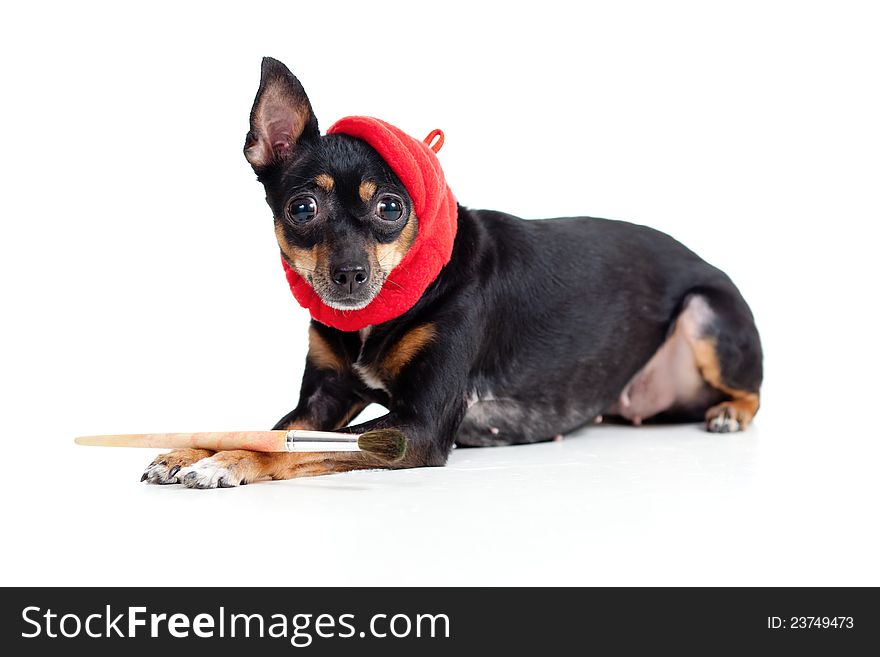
column 521, row 331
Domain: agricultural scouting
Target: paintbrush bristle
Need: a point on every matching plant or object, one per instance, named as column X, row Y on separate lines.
column 387, row 444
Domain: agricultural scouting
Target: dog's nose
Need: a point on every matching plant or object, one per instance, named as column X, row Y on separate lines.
column 350, row 276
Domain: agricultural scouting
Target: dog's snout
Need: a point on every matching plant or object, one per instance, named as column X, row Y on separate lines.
column 350, row 276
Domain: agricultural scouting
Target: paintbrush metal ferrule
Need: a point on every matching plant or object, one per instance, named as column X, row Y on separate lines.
column 304, row 440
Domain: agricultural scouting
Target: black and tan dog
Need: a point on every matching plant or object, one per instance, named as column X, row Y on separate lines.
column 532, row 329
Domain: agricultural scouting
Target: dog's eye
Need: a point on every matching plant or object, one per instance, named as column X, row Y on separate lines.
column 302, row 209
column 389, row 208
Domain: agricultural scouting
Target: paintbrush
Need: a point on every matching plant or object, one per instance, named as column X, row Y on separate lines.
column 387, row 444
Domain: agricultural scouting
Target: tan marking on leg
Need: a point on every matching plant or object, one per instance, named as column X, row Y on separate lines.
column 300, row 423
column 322, row 463
column 366, row 190
column 349, row 415
column 407, row 348
column 707, row 361
column 183, row 457
column 308, row 423
column 744, row 403
column 388, row 256
column 321, row 355
column 250, row 466
column 325, row 181
column 742, row 410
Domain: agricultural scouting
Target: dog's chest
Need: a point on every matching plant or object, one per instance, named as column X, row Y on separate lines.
column 367, row 368
column 388, row 353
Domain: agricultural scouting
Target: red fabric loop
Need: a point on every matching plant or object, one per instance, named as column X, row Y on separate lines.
column 436, row 133
column 418, row 168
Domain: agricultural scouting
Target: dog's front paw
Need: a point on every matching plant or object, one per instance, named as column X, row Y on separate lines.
column 165, row 468
column 209, row 473
column 223, row 470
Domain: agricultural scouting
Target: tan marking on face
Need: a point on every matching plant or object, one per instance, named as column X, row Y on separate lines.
column 407, row 348
column 325, row 181
column 321, row 355
column 306, row 262
column 366, row 190
column 389, row 255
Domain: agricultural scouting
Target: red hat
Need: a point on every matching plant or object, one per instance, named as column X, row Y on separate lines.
column 419, row 170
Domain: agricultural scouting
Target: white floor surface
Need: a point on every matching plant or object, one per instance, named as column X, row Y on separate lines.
column 610, row 505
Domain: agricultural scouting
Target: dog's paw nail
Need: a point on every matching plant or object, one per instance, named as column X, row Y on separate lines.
column 173, row 471
column 157, row 474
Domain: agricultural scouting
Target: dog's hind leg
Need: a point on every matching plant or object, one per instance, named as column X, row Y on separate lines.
column 721, row 332
column 710, row 360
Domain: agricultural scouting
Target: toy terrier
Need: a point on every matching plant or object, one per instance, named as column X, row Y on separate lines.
column 472, row 327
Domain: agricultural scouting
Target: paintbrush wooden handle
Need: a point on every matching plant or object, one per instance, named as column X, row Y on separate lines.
column 257, row 441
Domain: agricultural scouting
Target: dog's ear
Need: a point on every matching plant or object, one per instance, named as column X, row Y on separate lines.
column 281, row 117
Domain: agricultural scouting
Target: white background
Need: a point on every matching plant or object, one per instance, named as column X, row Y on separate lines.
column 142, row 290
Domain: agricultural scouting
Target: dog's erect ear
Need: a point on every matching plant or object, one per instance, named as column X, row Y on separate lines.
column 280, row 119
